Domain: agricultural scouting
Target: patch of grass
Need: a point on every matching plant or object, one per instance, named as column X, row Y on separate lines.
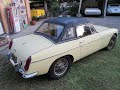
column 99, row 71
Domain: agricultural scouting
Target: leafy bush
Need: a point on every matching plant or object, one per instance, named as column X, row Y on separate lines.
column 54, row 8
column 73, row 10
column 34, row 18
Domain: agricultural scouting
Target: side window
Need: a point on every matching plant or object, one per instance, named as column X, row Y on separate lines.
column 93, row 29
column 83, row 31
column 87, row 31
column 70, row 33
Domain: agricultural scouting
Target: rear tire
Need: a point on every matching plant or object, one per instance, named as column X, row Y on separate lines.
column 59, row 68
column 112, row 43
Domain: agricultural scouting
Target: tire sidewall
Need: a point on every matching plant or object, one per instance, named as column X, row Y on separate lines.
column 51, row 73
column 114, row 37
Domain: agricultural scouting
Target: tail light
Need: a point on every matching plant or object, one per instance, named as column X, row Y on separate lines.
column 26, row 67
column 10, row 44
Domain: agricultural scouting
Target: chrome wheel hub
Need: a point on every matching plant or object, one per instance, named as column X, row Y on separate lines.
column 61, row 66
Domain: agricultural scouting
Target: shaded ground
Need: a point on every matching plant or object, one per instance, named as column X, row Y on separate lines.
column 109, row 21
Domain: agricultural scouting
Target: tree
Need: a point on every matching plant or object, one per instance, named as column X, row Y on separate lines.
column 54, row 7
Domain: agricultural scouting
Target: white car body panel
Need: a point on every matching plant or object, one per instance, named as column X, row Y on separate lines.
column 92, row 11
column 106, row 34
column 113, row 9
column 43, row 55
column 23, row 46
column 87, row 42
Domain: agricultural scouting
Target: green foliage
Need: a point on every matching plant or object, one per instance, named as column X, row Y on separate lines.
column 73, row 10
column 100, row 71
column 54, row 7
column 34, row 18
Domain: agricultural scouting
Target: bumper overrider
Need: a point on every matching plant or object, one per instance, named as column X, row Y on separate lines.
column 19, row 69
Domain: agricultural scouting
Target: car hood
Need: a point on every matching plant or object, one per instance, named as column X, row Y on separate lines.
column 26, row 46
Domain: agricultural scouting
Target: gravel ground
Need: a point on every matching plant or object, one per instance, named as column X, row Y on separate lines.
column 108, row 21
column 9, row 80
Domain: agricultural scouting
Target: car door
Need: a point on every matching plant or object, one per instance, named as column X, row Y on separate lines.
column 70, row 43
column 89, row 40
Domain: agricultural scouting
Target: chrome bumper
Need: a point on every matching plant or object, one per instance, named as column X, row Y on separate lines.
column 27, row 76
column 19, row 69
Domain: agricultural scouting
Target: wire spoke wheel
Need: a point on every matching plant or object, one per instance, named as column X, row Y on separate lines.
column 61, row 66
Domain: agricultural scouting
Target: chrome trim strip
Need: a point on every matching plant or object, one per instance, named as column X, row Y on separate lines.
column 54, row 55
column 27, row 76
column 14, row 64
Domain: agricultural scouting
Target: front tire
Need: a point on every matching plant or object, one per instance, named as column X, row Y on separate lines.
column 59, row 68
column 112, row 43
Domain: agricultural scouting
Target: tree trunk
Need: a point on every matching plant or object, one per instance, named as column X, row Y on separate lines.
column 46, row 8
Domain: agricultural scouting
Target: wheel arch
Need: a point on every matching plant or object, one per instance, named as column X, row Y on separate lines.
column 107, row 47
column 116, row 34
column 70, row 56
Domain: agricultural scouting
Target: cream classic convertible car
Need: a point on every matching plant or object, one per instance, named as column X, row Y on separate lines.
column 56, row 44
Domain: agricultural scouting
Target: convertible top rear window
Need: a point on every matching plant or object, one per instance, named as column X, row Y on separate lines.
column 50, row 29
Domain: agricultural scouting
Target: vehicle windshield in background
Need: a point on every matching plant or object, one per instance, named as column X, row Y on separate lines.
column 50, row 29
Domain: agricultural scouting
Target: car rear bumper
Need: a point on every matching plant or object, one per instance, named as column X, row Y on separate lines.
column 92, row 13
column 19, row 69
column 110, row 12
column 27, row 76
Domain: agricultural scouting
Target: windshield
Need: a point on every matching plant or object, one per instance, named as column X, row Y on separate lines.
column 50, row 29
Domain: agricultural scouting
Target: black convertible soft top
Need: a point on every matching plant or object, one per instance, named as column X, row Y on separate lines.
column 68, row 21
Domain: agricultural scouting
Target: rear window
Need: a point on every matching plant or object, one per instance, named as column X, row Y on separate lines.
column 50, row 29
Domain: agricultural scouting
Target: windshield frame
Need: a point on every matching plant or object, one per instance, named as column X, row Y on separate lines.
column 47, row 36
